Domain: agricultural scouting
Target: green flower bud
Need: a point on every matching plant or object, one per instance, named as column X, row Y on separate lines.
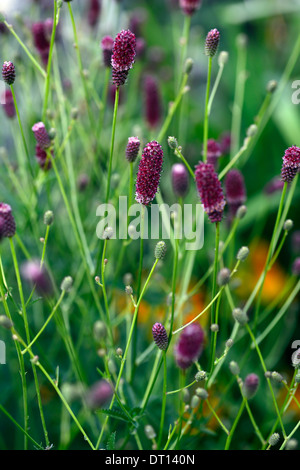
column 234, row 368
column 240, row 316
column 5, row 322
column 149, row 432
column 48, row 218
column 201, row 393
column 200, row 375
column 195, row 401
column 67, row 284
column 288, row 225
column 274, row 439
column 243, row 253
column 160, row 250
column 172, row 141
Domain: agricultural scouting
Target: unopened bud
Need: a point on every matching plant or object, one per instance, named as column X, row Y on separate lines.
column 274, row 439
column 172, row 141
column 195, row 401
column 240, row 316
column 241, row 212
column 234, row 368
column 99, row 330
column 272, row 86
column 5, row 322
column 214, row 327
column 67, row 284
column 48, row 218
column 223, row 276
column 149, row 432
column 189, row 63
column 200, row 375
column 288, row 225
column 243, row 253
column 160, row 250
column 201, row 393
column 223, row 58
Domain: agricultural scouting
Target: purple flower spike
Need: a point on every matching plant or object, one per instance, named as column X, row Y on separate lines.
column 37, row 276
column 8, row 103
column 152, row 101
column 123, row 51
column 250, row 385
column 160, row 336
column 235, row 190
column 41, row 32
column 107, row 47
column 291, row 164
column 149, row 172
column 99, row 394
column 190, row 6
column 7, row 221
column 94, row 12
column 212, row 42
column 132, row 149
column 42, row 158
column 213, row 152
column 189, row 346
column 8, row 72
column 210, row 191
column 180, row 179
column 41, row 135
column 296, row 267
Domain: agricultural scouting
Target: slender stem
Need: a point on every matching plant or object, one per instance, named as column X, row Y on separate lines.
column 214, row 287
column 164, row 400
column 127, row 349
column 238, row 416
column 270, row 253
column 44, row 246
column 109, row 327
column 217, row 417
column 22, row 132
column 48, row 76
column 206, row 114
column 112, row 143
column 33, row 60
column 268, row 380
column 38, row 446
column 46, row 322
column 215, row 88
column 178, row 152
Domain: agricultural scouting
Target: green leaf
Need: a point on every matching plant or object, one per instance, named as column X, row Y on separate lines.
column 114, row 413
column 111, row 443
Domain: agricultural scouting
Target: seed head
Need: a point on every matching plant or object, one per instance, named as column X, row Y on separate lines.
column 160, row 336
column 180, row 179
column 132, row 149
column 160, row 250
column 107, row 47
column 291, row 164
column 250, row 385
column 210, row 191
column 189, row 346
column 7, row 221
column 200, row 375
column 149, row 172
column 48, row 218
column 212, row 42
column 8, row 72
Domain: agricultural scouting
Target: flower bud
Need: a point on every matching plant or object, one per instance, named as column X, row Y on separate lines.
column 201, row 393
column 243, row 253
column 288, row 225
column 212, row 42
column 8, row 72
column 67, row 284
column 160, row 250
column 250, row 385
column 172, row 142
column 195, row 401
column 149, row 432
column 160, row 336
column 5, row 322
column 201, row 375
column 240, row 316
column 234, row 368
column 223, row 277
column 274, row 439
column 99, row 331
column 48, row 218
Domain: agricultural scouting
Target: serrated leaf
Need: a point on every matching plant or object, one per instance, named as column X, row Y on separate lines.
column 114, row 413
column 111, row 443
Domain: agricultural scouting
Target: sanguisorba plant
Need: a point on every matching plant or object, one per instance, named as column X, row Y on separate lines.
column 115, row 343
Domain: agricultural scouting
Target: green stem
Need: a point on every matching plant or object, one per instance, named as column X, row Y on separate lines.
column 109, row 327
column 46, row 322
column 47, row 82
column 214, row 288
column 38, row 446
column 238, row 416
column 217, row 417
column 178, row 153
column 206, row 115
column 126, row 350
column 33, row 60
column 22, row 132
column 164, row 400
column 112, row 143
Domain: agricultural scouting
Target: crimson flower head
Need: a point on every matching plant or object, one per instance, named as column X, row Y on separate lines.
column 152, row 101
column 41, row 135
column 94, row 12
column 36, row 275
column 213, row 151
column 41, row 32
column 235, row 190
column 132, row 149
column 149, row 172
column 8, row 103
column 250, row 385
column 160, row 336
column 210, row 191
column 180, row 179
column 8, row 72
column 212, row 42
column 7, row 221
column 189, row 346
column 190, row 6
column 99, row 394
column 291, row 164
column 107, row 47
column 43, row 159
column 123, row 55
